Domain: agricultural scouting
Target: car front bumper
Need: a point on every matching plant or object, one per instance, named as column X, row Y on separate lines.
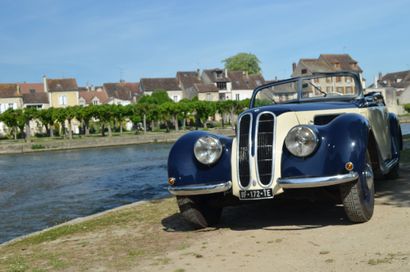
column 200, row 189
column 312, row 182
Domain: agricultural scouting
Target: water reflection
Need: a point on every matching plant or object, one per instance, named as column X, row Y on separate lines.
column 41, row 189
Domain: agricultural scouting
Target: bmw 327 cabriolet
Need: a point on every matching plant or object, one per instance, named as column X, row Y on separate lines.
column 319, row 130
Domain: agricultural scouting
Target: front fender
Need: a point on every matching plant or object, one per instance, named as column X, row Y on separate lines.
column 184, row 167
column 343, row 140
column 396, row 136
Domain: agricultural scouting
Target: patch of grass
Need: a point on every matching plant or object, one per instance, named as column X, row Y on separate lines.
column 18, row 264
column 148, row 213
column 37, row 146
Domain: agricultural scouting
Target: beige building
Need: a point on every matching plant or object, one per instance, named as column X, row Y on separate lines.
column 10, row 97
column 149, row 85
column 206, row 92
column 330, row 63
column 62, row 92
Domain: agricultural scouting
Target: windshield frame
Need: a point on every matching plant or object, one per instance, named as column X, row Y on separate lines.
column 300, row 80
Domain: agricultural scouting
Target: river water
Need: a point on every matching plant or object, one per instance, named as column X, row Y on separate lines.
column 39, row 190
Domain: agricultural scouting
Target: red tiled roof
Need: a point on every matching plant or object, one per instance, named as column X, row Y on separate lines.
column 88, row 96
column 9, row 91
column 62, row 85
column 26, row 88
column 35, row 98
column 152, row 84
column 205, row 88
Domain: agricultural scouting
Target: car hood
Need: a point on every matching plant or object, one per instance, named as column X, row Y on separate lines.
column 278, row 109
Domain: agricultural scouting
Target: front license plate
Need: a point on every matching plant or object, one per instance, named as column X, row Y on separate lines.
column 256, row 194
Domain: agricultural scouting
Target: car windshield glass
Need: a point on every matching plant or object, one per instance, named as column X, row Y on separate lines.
column 326, row 87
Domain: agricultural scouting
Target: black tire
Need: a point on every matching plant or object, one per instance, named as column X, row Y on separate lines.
column 198, row 211
column 358, row 196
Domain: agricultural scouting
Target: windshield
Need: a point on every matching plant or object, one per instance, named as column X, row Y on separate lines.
column 323, row 87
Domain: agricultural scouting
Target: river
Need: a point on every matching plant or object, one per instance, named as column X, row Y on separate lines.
column 39, row 190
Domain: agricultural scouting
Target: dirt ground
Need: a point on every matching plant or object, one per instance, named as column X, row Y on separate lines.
column 301, row 236
column 278, row 235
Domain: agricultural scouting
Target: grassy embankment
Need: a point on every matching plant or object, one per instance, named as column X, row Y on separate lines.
column 117, row 240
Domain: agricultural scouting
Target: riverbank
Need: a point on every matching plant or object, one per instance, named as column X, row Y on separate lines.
column 152, row 236
column 47, row 144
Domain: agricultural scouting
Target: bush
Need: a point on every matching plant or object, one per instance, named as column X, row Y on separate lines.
column 407, row 107
column 37, row 146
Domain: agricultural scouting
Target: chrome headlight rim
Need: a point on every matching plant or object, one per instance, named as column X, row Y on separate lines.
column 314, row 140
column 208, row 150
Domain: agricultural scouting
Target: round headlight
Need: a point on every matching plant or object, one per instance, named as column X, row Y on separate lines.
column 207, row 150
column 301, row 141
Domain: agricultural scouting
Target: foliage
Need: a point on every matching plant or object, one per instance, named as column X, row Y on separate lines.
column 407, row 107
column 243, row 62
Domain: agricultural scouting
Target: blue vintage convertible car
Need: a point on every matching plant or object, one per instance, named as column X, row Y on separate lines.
column 315, row 131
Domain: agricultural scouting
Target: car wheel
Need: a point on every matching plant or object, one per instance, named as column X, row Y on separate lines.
column 198, row 211
column 358, row 197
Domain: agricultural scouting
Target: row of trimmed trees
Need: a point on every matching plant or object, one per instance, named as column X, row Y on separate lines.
column 150, row 112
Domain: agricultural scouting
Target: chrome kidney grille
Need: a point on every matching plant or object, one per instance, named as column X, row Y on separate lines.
column 244, row 148
column 264, row 148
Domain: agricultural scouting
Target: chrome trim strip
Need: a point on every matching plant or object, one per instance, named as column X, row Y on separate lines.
column 200, row 189
column 249, row 149
column 273, row 148
column 317, row 181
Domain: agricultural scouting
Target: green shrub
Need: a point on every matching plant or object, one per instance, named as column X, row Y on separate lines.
column 37, row 146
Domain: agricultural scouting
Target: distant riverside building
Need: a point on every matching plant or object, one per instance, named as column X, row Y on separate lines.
column 232, row 85
column 62, row 92
column 330, row 63
column 206, row 92
column 400, row 81
column 92, row 97
column 122, row 93
column 34, row 96
column 169, row 84
column 10, row 97
column 187, row 81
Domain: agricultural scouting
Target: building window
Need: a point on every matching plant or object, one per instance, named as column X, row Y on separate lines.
column 338, row 79
column 304, row 71
column 221, row 85
column 349, row 90
column 175, row 98
column 237, row 97
column 11, row 105
column 222, row 96
column 208, row 97
column 218, row 74
column 95, row 102
column 63, row 100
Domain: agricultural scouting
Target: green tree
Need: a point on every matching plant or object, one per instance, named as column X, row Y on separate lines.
column 407, row 107
column 104, row 113
column 158, row 97
column 59, row 115
column 70, row 114
column 27, row 115
column 46, row 118
column 203, row 110
column 9, row 117
column 243, row 62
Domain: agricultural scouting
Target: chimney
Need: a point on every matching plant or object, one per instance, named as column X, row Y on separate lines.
column 226, row 72
column 293, row 67
column 380, row 76
column 198, row 72
column 45, row 83
column 376, row 79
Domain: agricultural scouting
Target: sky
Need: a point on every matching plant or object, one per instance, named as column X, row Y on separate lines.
column 98, row 41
